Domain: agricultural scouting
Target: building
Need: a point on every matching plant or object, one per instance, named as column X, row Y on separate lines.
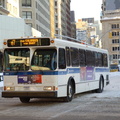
column 81, row 30
column 73, row 24
column 111, row 5
column 66, row 24
column 87, row 32
column 47, row 16
column 52, row 19
column 9, row 7
column 36, row 13
column 110, row 20
column 58, row 20
column 88, row 20
column 62, row 17
column 11, row 25
column 91, row 31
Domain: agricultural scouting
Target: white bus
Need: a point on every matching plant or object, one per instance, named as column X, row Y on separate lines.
column 52, row 68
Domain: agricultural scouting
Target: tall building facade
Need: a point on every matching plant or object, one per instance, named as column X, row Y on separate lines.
column 52, row 18
column 73, row 24
column 111, row 4
column 110, row 20
column 66, row 25
column 62, row 17
column 58, row 22
column 36, row 13
column 81, row 30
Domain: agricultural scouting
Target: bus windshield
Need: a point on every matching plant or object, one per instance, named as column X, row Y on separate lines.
column 44, row 59
column 17, row 59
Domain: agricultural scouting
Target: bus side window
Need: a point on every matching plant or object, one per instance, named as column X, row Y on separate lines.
column 82, row 57
column 105, row 62
column 93, row 58
column 100, row 60
column 96, row 59
column 62, row 61
column 67, row 56
column 89, row 58
column 75, row 57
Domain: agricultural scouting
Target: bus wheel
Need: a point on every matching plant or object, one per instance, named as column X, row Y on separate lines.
column 24, row 99
column 101, row 86
column 70, row 92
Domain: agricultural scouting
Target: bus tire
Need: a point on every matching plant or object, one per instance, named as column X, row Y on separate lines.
column 24, row 99
column 101, row 86
column 70, row 92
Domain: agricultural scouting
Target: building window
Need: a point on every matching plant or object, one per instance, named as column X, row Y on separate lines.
column 115, row 48
column 37, row 27
column 56, row 25
column 26, row 3
column 56, row 18
column 115, row 41
column 115, row 26
column 115, row 33
column 30, row 24
column 56, row 11
column 56, row 32
column 115, row 56
column 2, row 3
column 55, row 3
column 27, row 15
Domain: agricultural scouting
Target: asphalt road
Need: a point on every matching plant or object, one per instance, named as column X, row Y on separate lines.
column 85, row 106
column 81, row 108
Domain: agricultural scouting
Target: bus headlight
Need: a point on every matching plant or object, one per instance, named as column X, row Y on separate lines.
column 49, row 88
column 6, row 88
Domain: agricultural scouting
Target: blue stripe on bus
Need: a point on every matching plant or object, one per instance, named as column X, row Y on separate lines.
column 68, row 71
column 102, row 70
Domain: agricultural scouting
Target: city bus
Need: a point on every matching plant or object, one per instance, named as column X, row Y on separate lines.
column 43, row 67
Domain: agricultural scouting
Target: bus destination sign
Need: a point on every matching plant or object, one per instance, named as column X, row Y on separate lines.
column 28, row 42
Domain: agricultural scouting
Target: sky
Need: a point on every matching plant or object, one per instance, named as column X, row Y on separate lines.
column 86, row 8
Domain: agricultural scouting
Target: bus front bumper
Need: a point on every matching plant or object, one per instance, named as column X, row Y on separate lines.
column 31, row 94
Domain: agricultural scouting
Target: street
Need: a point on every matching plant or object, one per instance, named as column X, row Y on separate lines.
column 85, row 106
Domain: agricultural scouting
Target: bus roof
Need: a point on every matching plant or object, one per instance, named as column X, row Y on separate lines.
column 61, row 42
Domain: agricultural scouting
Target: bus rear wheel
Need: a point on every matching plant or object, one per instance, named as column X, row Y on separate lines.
column 24, row 99
column 101, row 86
column 70, row 92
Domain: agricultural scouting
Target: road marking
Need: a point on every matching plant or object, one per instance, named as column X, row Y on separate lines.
column 67, row 111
